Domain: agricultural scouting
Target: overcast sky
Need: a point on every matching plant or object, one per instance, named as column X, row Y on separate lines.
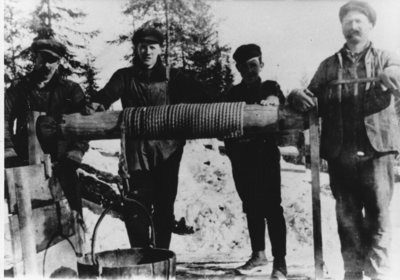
column 294, row 35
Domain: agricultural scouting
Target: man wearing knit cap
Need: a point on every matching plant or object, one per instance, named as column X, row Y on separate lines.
column 360, row 139
column 256, row 167
column 45, row 90
column 153, row 165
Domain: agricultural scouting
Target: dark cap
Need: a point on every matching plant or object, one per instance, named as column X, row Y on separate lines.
column 245, row 52
column 360, row 6
column 151, row 35
column 50, row 46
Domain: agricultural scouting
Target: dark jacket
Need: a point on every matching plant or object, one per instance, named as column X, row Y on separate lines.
column 136, row 86
column 377, row 105
column 252, row 94
column 59, row 96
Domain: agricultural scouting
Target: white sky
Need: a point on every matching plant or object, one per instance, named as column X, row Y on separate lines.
column 294, row 35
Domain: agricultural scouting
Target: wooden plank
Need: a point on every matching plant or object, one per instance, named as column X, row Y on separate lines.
column 34, row 148
column 316, row 201
column 26, row 225
column 37, row 184
column 46, row 224
column 18, row 268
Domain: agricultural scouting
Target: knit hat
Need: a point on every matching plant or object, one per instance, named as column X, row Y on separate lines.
column 360, row 6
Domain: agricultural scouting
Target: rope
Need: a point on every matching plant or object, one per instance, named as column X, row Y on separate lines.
column 189, row 121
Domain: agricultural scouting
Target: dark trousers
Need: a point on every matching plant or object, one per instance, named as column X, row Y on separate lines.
column 65, row 172
column 363, row 190
column 156, row 190
column 256, row 172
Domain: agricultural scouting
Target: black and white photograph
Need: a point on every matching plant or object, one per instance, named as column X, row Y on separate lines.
column 201, row 139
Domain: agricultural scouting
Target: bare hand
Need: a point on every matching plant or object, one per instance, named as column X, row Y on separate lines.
column 301, row 100
column 92, row 108
column 271, row 100
column 390, row 78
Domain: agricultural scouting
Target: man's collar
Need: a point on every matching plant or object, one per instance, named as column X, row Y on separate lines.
column 356, row 56
column 253, row 84
column 155, row 74
column 32, row 79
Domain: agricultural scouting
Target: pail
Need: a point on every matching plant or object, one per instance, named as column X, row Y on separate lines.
column 146, row 263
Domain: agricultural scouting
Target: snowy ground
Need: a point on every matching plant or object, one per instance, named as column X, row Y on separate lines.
column 208, row 201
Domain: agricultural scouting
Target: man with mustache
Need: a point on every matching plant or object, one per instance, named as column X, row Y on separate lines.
column 45, row 90
column 360, row 139
column 153, row 165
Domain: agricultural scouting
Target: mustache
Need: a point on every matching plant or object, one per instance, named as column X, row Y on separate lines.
column 352, row 33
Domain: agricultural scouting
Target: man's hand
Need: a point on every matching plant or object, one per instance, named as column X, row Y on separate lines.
column 92, row 108
column 271, row 100
column 390, row 78
column 301, row 100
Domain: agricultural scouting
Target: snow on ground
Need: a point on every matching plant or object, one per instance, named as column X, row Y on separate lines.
column 208, row 200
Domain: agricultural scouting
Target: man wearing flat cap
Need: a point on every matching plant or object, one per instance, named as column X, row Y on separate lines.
column 153, row 165
column 44, row 90
column 360, row 139
column 256, row 167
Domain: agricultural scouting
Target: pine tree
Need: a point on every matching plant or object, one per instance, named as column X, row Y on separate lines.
column 16, row 59
column 52, row 18
column 191, row 41
column 90, row 85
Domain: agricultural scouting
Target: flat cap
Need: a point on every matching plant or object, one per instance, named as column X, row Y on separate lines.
column 151, row 35
column 245, row 52
column 360, row 6
column 50, row 46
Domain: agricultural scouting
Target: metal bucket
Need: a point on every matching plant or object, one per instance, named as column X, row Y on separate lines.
column 146, row 263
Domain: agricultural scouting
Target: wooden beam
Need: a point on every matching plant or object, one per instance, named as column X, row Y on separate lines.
column 257, row 119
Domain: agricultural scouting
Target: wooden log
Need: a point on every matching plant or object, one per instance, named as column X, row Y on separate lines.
column 257, row 119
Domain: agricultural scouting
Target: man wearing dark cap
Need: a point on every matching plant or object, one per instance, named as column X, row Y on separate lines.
column 44, row 90
column 153, row 166
column 360, row 139
column 256, row 167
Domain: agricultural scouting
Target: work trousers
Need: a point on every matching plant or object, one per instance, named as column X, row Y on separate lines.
column 363, row 190
column 256, row 172
column 65, row 172
column 156, row 190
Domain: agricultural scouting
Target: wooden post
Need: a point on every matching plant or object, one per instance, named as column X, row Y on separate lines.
column 316, row 201
column 35, row 150
column 26, row 227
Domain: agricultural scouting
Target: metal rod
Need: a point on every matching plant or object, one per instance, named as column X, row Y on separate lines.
column 354, row 81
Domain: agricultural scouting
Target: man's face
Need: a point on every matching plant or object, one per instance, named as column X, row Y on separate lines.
column 46, row 65
column 250, row 69
column 148, row 53
column 356, row 27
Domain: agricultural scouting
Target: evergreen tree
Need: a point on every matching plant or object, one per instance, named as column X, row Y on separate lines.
column 90, row 85
column 191, row 40
column 16, row 58
column 52, row 18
